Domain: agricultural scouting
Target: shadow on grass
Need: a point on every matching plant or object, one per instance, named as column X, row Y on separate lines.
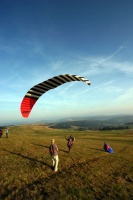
column 26, row 157
column 65, row 151
column 25, row 192
column 40, row 145
column 97, row 149
column 22, row 191
column 48, row 147
column 124, row 148
column 39, row 187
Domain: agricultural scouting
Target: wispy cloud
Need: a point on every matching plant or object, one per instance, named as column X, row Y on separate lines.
column 112, row 55
column 100, row 86
column 106, row 67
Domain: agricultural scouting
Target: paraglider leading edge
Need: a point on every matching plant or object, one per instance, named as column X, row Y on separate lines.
column 36, row 91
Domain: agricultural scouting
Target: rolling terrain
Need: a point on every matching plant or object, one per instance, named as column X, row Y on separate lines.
column 87, row 172
column 96, row 123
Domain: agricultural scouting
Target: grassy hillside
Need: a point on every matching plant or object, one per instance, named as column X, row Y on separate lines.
column 87, row 172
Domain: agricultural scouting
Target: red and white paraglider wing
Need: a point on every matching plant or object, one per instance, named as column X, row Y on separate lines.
column 36, row 91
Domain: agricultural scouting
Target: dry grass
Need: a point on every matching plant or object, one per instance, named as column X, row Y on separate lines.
column 87, row 172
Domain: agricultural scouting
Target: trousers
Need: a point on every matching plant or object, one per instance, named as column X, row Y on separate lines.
column 55, row 160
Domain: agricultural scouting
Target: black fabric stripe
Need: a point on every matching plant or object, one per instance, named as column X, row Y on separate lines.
column 39, row 89
column 43, row 84
column 40, row 85
column 78, row 78
column 52, row 83
column 71, row 77
column 65, row 77
column 58, row 81
column 48, row 84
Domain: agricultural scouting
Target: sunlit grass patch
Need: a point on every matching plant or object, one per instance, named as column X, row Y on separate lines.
column 87, row 172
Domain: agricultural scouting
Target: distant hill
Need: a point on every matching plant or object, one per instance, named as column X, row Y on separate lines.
column 84, row 122
column 96, row 123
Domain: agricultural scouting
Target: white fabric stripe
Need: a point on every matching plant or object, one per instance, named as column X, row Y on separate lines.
column 78, row 78
column 84, row 79
column 32, row 95
column 88, row 82
column 67, row 77
column 45, row 85
column 36, row 92
column 74, row 78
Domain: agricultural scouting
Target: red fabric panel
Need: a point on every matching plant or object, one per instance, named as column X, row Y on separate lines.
column 26, row 105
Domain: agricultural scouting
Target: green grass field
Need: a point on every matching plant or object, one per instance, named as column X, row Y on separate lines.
column 87, row 172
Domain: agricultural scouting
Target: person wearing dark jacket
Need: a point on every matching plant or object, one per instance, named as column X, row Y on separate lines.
column 70, row 142
column 1, row 133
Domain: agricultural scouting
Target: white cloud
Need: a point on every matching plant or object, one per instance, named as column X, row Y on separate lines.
column 96, row 65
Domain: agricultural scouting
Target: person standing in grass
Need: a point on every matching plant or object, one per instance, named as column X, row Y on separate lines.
column 70, row 142
column 1, row 132
column 53, row 149
column 6, row 133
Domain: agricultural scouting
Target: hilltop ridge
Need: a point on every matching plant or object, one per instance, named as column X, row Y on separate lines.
column 96, row 122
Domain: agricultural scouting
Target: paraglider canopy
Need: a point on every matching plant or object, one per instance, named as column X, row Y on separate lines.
column 36, row 91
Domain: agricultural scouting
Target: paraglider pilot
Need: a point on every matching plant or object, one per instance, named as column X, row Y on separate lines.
column 6, row 133
column 107, row 148
column 53, row 150
column 70, row 142
column 1, row 133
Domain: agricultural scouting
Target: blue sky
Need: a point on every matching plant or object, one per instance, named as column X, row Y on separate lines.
column 40, row 39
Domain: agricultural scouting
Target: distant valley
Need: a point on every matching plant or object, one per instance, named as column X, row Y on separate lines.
column 95, row 123
column 103, row 122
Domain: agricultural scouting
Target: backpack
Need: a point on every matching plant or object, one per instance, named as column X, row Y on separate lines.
column 70, row 142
